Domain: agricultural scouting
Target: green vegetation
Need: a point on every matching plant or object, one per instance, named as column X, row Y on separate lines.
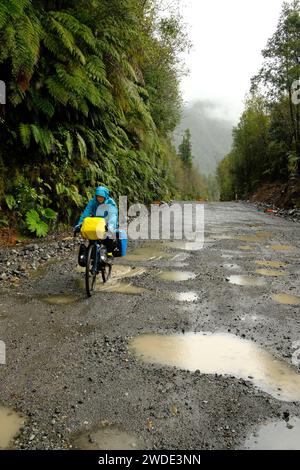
column 185, row 149
column 92, row 98
column 266, row 142
column 195, row 185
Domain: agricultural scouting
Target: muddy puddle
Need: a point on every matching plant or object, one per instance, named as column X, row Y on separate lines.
column 246, row 281
column 186, row 246
column 270, row 264
column 256, row 238
column 180, row 260
column 270, row 272
column 218, row 237
column 120, row 271
column 279, row 435
column 251, row 318
column 60, row 299
column 181, row 257
column 106, row 438
column 10, row 425
column 221, row 354
column 283, row 248
column 119, row 287
column 151, row 252
column 286, row 299
column 176, row 276
column 42, row 269
column 185, row 296
column 230, row 267
column 118, row 283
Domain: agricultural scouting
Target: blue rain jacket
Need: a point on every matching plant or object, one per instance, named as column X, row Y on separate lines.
column 107, row 209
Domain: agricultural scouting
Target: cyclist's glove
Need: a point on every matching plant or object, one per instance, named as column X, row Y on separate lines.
column 77, row 229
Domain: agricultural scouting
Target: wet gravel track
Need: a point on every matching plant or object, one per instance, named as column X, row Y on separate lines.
column 69, row 369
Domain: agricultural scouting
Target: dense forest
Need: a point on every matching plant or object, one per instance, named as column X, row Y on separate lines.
column 266, row 141
column 92, row 97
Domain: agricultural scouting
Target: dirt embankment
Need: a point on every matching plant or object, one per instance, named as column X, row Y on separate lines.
column 281, row 195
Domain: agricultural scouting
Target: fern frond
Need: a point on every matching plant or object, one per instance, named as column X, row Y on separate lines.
column 67, row 39
column 25, row 134
column 81, row 145
column 57, row 90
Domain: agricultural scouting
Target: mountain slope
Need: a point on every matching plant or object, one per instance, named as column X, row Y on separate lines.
column 211, row 134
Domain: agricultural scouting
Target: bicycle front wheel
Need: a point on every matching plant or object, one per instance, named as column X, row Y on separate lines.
column 91, row 270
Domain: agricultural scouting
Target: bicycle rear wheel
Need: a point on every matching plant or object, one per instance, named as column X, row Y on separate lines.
column 91, row 270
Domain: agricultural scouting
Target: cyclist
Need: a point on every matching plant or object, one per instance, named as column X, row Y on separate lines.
column 101, row 205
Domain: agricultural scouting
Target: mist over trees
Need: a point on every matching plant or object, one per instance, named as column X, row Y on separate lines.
column 211, row 134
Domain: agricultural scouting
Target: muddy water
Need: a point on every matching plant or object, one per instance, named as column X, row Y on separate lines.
column 106, row 438
column 286, row 299
column 41, row 271
column 186, row 296
column 245, row 238
column 176, row 276
column 222, row 354
column 120, row 271
column 153, row 251
column 263, row 234
column 60, row 299
column 246, row 281
column 270, row 272
column 271, row 264
column 232, row 267
column 280, row 435
column 258, row 237
column 180, row 257
column 186, row 246
column 283, row 248
column 219, row 237
column 10, row 424
column 114, row 286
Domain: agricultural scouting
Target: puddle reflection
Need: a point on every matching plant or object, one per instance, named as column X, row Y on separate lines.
column 222, row 354
column 279, row 435
column 10, row 424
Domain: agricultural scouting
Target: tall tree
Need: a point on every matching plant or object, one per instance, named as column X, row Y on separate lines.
column 281, row 68
column 185, row 149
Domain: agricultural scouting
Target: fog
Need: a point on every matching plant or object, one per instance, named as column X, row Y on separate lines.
column 227, row 37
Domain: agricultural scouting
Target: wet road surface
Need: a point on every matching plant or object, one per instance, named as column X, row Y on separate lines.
column 183, row 349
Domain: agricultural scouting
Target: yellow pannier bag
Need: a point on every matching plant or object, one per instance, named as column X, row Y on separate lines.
column 93, row 228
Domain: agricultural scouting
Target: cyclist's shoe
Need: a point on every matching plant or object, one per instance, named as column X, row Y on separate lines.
column 103, row 254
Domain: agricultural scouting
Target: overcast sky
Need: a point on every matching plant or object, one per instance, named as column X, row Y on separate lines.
column 227, row 37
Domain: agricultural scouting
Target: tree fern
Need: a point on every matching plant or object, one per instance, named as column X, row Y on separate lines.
column 92, row 92
column 25, row 134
